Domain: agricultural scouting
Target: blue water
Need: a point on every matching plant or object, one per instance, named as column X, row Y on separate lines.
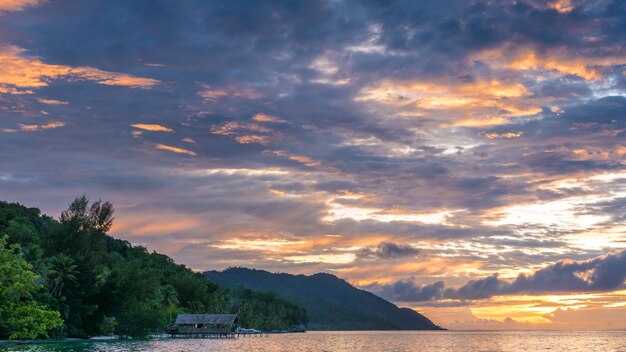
column 371, row 341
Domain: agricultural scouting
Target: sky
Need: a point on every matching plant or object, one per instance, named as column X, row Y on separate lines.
column 463, row 158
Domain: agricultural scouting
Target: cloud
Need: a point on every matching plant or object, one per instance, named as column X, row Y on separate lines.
column 297, row 158
column 34, row 128
column 17, row 5
column 267, row 118
column 152, row 127
column 603, row 273
column 253, row 138
column 440, row 125
column 407, row 291
column 388, row 250
column 488, row 100
column 526, row 59
column 52, row 101
column 246, row 133
column 213, row 95
column 175, row 149
column 504, row 135
column 593, row 318
column 19, row 71
column 232, row 128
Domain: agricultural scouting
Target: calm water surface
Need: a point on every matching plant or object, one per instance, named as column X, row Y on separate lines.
column 527, row 341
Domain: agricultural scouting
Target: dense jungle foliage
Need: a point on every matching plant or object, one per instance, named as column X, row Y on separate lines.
column 69, row 278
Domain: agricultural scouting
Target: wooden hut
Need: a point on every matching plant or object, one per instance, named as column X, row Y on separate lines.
column 203, row 324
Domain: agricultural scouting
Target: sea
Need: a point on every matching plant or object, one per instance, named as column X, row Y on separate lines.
column 370, row 341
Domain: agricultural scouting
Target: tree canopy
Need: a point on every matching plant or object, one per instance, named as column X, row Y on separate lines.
column 21, row 316
column 75, row 280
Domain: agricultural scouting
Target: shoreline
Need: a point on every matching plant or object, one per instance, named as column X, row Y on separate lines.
column 6, row 343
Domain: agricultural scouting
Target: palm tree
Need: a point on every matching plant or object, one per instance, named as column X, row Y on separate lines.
column 63, row 273
column 169, row 299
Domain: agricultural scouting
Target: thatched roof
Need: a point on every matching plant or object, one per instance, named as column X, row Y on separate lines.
column 190, row 319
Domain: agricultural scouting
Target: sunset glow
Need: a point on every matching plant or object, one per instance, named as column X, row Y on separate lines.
column 465, row 159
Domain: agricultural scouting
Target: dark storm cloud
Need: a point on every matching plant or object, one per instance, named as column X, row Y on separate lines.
column 605, row 273
column 615, row 207
column 407, row 291
column 563, row 87
column 220, row 174
column 436, row 37
column 388, row 250
column 607, row 114
column 557, row 163
column 163, row 32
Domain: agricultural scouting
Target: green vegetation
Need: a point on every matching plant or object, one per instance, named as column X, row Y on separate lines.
column 332, row 303
column 21, row 317
column 267, row 310
column 68, row 277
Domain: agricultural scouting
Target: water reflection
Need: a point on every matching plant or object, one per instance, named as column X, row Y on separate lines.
column 367, row 341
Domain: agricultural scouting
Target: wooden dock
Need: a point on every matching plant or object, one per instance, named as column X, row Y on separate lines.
column 230, row 335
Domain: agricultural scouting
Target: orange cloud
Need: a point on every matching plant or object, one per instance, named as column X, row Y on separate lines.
column 17, row 5
column 504, row 135
column 481, row 103
column 152, row 127
column 267, row 118
column 18, row 72
column 175, row 149
column 531, row 61
column 562, row 6
column 304, row 160
column 259, row 244
column 252, row 138
column 149, row 224
column 14, row 91
column 276, row 192
column 246, row 133
column 557, row 109
column 558, row 61
column 440, row 96
column 231, row 128
column 569, row 311
column 52, row 101
column 481, row 121
column 298, row 158
column 34, row 128
column 212, row 95
column 598, row 153
column 388, row 272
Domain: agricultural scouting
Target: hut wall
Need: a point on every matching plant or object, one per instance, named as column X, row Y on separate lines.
column 210, row 329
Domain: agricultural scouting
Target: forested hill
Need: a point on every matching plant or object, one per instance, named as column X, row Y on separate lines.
column 332, row 303
column 68, row 277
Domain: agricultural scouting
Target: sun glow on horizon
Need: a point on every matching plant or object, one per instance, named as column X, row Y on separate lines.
column 424, row 152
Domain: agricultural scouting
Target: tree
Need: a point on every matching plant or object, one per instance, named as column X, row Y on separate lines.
column 101, row 216
column 62, row 274
column 105, row 285
column 21, row 317
column 169, row 300
column 98, row 217
column 77, row 213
